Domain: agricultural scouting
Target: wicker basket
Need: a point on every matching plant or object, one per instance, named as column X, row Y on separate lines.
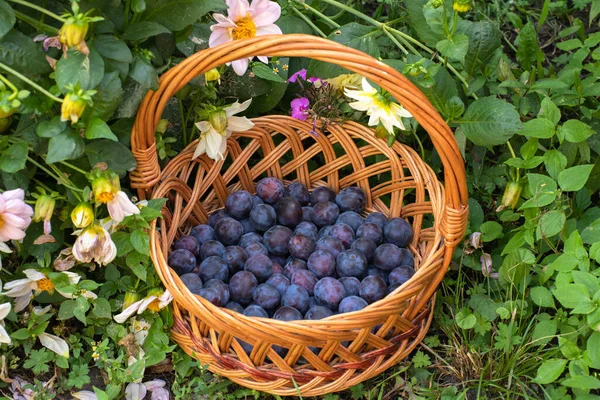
column 351, row 347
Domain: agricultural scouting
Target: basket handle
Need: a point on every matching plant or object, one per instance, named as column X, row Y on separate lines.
column 147, row 173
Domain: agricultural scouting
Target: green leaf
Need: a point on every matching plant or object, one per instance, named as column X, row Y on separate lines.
column 292, row 24
column 140, row 241
column 7, row 18
column 81, row 308
column 353, row 35
column 595, row 252
column 66, row 146
column 593, row 349
column 13, row 159
column 571, row 295
column 22, row 54
column 97, row 129
column 549, row 110
column 550, row 370
column 543, row 332
column 67, row 309
column 594, row 10
column 115, row 154
column 265, row 72
column 490, row 230
column 465, row 321
column 575, row 131
column 20, row 334
column 143, row 30
column 569, row 45
column 108, row 97
column 484, row 40
column 490, row 121
column 541, row 296
column 543, row 189
column 555, row 163
column 516, row 266
column 50, row 128
column 177, row 14
column 144, row 73
column 455, row 47
column 110, row 47
column 541, row 128
column 574, row 178
column 527, row 46
column 550, row 224
column 582, row 382
column 418, row 22
column 76, row 67
column 102, row 308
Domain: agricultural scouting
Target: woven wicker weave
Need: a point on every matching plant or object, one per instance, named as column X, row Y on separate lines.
column 348, row 348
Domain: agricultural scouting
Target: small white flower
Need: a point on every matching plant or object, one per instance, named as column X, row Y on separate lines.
column 152, row 302
column 107, row 190
column 378, row 106
column 94, row 243
column 4, row 310
column 139, row 328
column 214, row 133
column 137, row 391
column 486, row 266
column 35, row 281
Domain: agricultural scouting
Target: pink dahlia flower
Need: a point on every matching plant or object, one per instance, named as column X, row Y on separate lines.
column 15, row 215
column 245, row 21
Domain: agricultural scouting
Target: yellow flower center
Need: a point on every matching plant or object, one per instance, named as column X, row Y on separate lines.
column 154, row 306
column 244, row 29
column 1, row 220
column 105, row 197
column 45, row 285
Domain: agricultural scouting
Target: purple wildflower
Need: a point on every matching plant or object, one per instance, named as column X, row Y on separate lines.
column 300, row 108
column 301, row 74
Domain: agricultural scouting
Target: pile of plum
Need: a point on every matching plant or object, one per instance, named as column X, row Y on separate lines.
column 289, row 254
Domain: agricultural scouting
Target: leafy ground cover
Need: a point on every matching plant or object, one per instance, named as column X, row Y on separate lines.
column 518, row 315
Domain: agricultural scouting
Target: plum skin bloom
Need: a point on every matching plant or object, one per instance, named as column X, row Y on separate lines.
column 378, row 106
column 245, row 21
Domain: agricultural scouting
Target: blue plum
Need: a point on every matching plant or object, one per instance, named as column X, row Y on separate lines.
column 398, row 232
column 239, row 204
column 182, row 261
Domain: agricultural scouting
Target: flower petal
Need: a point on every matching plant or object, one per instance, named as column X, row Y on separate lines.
column 54, row 343
column 268, row 30
column 4, row 310
column 128, row 312
column 219, row 36
column 84, row 395
column 5, row 249
column 155, row 384
column 4, row 337
column 237, row 9
column 200, row 148
column 34, row 275
column 240, row 66
column 145, row 303
column 237, row 108
column 16, row 194
column 160, row 394
column 239, row 124
column 135, row 391
column 266, row 16
column 22, row 301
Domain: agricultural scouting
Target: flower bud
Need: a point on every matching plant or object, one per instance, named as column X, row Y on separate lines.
column 462, row 5
column 130, row 298
column 511, row 196
column 381, row 132
column 44, row 207
column 212, row 75
column 218, row 120
column 72, row 108
column 73, row 31
column 82, row 215
column 5, row 124
column 105, row 187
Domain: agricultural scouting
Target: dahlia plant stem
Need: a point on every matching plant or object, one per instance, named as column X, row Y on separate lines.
column 512, row 152
column 62, row 180
column 12, row 87
column 66, row 164
column 30, row 82
column 39, row 25
column 38, row 8
column 309, row 22
column 318, row 13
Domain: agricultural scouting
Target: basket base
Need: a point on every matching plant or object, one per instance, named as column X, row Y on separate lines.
column 270, row 379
